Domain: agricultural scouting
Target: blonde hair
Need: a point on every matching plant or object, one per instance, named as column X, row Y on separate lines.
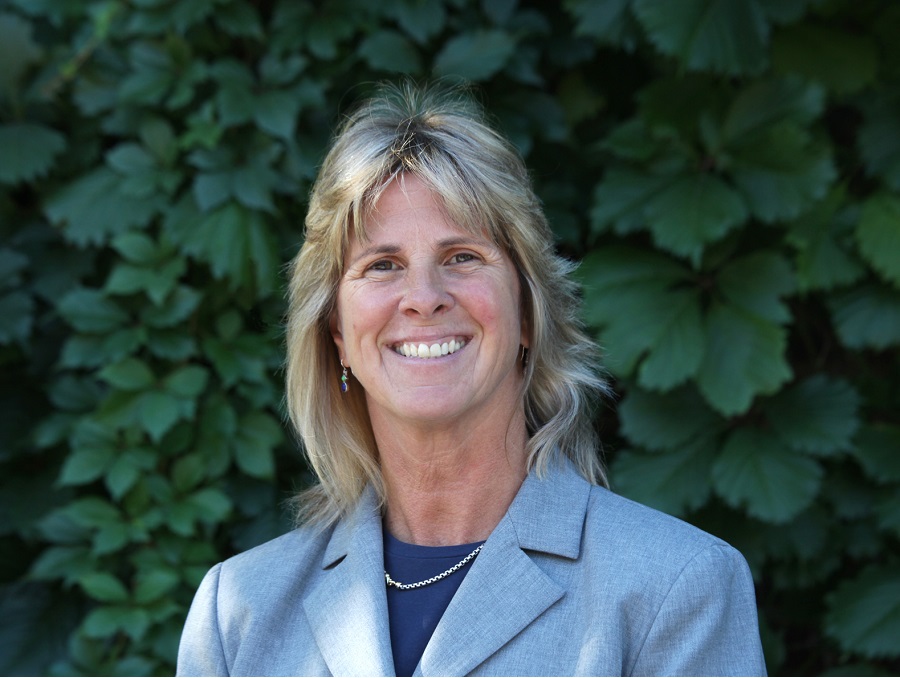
column 441, row 137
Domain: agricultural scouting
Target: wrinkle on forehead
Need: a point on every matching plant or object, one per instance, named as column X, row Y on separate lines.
column 466, row 220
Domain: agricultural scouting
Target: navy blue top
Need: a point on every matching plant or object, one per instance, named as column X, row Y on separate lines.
column 413, row 615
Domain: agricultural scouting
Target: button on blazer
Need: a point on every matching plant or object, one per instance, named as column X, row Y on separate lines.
column 574, row 580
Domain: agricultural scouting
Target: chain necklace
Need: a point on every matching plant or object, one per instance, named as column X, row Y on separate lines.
column 426, row 582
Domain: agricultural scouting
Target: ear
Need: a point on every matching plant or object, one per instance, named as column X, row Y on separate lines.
column 334, row 325
column 525, row 335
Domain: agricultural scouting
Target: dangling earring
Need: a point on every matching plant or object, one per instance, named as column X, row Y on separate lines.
column 343, row 377
column 524, row 357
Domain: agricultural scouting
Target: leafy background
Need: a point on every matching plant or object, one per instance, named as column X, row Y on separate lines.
column 727, row 170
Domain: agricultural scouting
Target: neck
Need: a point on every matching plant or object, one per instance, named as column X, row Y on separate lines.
column 451, row 487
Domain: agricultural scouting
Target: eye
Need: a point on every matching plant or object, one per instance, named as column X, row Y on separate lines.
column 463, row 258
column 382, row 265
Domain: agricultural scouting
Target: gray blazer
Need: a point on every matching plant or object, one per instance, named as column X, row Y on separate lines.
column 573, row 581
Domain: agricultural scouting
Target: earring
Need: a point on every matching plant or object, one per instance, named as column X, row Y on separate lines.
column 343, row 377
column 524, row 356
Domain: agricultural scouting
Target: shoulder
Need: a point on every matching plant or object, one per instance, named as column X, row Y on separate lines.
column 288, row 560
column 626, row 523
column 653, row 556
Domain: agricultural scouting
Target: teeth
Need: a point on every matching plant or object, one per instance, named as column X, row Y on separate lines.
column 433, row 351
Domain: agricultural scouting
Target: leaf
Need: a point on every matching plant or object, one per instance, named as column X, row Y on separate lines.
column 212, row 189
column 823, row 257
column 678, row 343
column 621, row 198
column 692, row 212
column 756, row 283
column 138, row 248
column 92, row 512
column 130, row 374
column 889, row 513
column 845, row 63
column 252, row 186
column 158, row 412
column 744, row 358
column 212, row 504
column 258, row 433
column 867, row 316
column 422, row 19
column 609, row 22
column 276, row 112
column 104, row 587
column 62, row 562
column 156, row 282
column 674, row 481
column 153, row 585
column 28, row 151
column 187, row 382
column 818, row 415
column 726, row 36
column 387, row 50
column 879, row 139
column 660, row 421
column 89, row 310
column 781, row 173
column 86, row 464
column 770, row 101
column 131, row 159
column 126, row 470
column 758, row 473
column 475, row 55
column 176, row 308
column 92, row 209
column 17, row 50
column 878, row 235
column 624, row 278
column 876, row 451
column 16, row 317
column 235, row 242
column 105, row 621
column 864, row 613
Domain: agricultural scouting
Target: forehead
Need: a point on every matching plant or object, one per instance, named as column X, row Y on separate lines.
column 408, row 207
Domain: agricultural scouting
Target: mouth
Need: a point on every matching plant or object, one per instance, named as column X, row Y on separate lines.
column 434, row 349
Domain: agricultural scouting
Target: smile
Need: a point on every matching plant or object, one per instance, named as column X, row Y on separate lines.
column 435, row 350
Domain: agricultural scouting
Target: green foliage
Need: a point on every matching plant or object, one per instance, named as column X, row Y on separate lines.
column 730, row 184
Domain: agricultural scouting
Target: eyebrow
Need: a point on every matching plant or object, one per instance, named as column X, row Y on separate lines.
column 446, row 243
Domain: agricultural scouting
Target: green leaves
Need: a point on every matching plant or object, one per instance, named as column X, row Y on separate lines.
column 475, row 56
column 388, row 50
column 760, row 474
column 879, row 236
column 864, row 613
column 818, row 415
column 651, row 316
column 725, row 170
column 28, row 151
column 728, row 36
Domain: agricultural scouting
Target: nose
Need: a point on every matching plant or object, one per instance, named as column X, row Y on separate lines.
column 426, row 293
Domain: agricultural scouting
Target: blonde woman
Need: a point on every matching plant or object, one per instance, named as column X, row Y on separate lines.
column 443, row 389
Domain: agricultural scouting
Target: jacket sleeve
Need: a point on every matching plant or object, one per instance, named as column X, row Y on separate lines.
column 707, row 624
column 200, row 652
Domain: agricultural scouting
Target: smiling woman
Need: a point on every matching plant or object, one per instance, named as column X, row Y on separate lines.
column 443, row 389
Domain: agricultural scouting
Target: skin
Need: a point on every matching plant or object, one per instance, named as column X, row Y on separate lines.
column 450, row 430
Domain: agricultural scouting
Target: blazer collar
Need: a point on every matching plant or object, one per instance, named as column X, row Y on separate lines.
column 347, row 605
column 504, row 591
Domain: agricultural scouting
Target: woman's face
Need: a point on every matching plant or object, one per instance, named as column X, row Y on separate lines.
column 428, row 316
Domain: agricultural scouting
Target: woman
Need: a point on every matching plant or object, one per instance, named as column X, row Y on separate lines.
column 442, row 388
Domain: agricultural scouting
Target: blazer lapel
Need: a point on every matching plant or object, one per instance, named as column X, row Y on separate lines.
column 347, row 606
column 505, row 590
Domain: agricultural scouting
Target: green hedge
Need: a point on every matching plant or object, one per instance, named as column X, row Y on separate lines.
column 727, row 170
